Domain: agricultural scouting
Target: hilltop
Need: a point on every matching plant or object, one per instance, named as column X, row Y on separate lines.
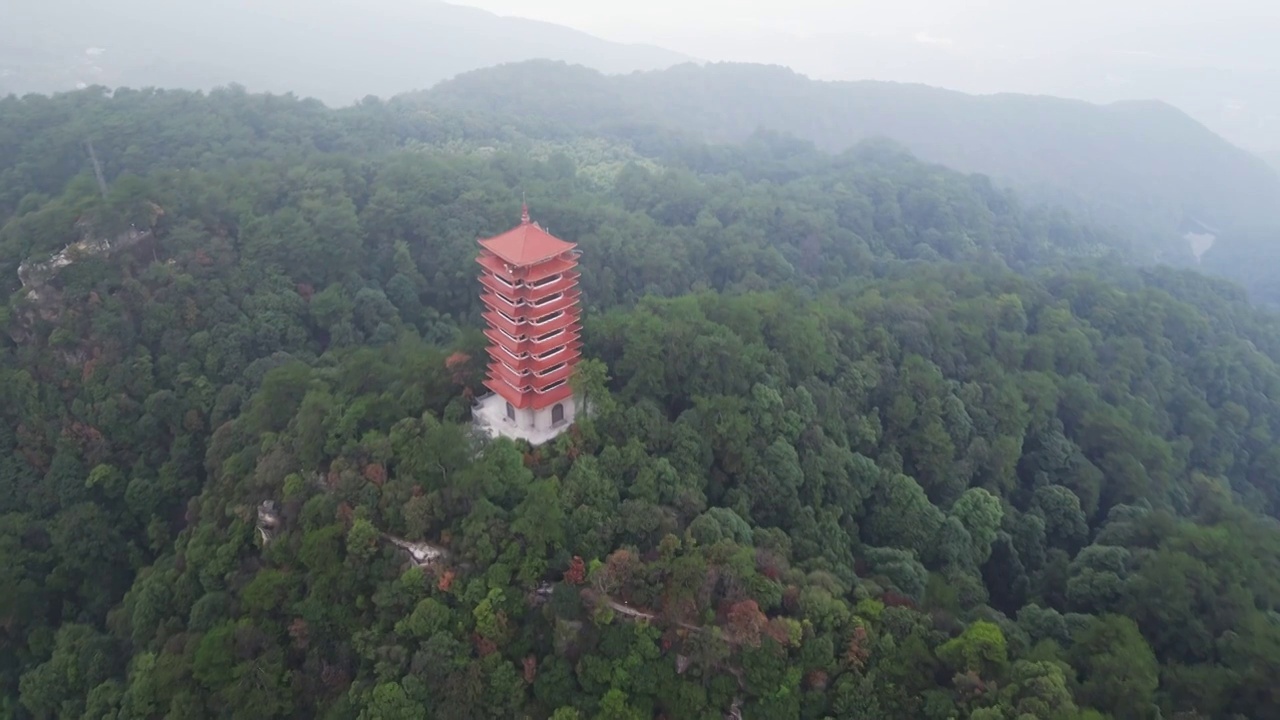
column 870, row 437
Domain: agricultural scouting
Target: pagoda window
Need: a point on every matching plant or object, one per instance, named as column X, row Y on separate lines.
column 550, row 335
column 545, row 281
column 503, row 280
column 557, row 413
column 512, row 337
column 548, row 300
column 509, row 319
column 511, row 412
column 548, row 318
column 507, row 300
column 549, row 353
column 550, row 370
column 520, row 356
column 513, row 371
column 553, row 386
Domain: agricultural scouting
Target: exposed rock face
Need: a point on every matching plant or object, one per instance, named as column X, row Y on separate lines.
column 44, row 300
column 423, row 554
column 35, row 276
column 268, row 520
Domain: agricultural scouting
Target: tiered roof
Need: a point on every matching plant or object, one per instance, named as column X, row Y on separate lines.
column 526, row 244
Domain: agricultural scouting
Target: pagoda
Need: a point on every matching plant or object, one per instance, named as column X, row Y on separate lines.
column 529, row 287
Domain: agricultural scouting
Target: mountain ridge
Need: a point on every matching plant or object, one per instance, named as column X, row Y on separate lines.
column 1137, row 164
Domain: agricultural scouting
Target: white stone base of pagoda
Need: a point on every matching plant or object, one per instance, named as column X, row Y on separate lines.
column 494, row 418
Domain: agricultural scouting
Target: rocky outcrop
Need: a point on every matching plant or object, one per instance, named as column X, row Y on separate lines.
column 423, row 554
column 43, row 298
column 268, row 521
column 35, row 276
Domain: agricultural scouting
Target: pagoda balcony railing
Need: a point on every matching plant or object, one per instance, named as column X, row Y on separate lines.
column 513, row 356
column 543, row 302
column 548, row 354
column 498, row 302
column 532, row 374
column 523, row 363
column 524, row 310
column 548, row 337
column 543, row 320
column 511, row 326
column 542, row 283
column 521, row 289
column 525, row 296
column 533, row 370
column 538, row 316
column 546, row 269
column 526, row 342
column 525, row 275
column 567, row 335
column 503, row 282
column 524, row 304
column 556, row 283
column 521, row 327
column 500, row 321
column 538, row 399
column 498, row 284
column 507, row 338
column 549, row 350
column 552, row 387
column 522, row 384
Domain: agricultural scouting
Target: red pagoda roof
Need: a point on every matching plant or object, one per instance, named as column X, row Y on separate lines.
column 526, row 244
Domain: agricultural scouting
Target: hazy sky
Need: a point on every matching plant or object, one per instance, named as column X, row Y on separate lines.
column 708, row 27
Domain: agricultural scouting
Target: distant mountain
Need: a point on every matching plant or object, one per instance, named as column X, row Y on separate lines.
column 1224, row 74
column 1145, row 166
column 336, row 50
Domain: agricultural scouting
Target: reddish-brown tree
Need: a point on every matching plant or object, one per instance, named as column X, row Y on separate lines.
column 859, row 651
column 746, row 622
column 577, row 572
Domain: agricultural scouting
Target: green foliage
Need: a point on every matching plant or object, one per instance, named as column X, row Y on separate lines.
column 980, row 648
column 835, row 444
column 1143, row 166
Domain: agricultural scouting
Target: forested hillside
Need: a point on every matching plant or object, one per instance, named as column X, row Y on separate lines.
column 871, row 439
column 1144, row 166
column 1250, row 256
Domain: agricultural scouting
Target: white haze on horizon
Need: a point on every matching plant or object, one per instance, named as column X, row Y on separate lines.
column 1217, row 61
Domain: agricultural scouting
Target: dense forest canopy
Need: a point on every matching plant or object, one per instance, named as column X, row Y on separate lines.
column 871, row 438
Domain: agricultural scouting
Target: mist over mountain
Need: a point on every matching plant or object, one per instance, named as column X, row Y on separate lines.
column 1217, row 66
column 1145, row 166
column 1215, row 73
column 1241, row 104
column 336, row 50
column 1218, row 62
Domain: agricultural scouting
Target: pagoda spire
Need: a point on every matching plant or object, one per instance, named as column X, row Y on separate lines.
column 524, row 210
